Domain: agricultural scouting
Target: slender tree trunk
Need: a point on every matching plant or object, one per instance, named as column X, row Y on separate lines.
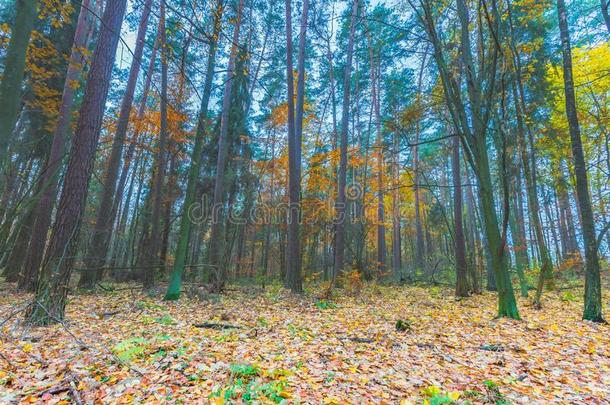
column 50, row 175
column 120, row 243
column 593, row 295
column 14, row 66
column 167, row 214
column 295, row 131
column 551, row 225
column 137, row 131
column 95, row 257
column 396, row 239
column 474, row 267
column 52, row 288
column 533, row 207
column 571, row 246
column 519, row 246
column 148, row 258
column 375, row 87
column 340, row 204
column 20, row 248
column 420, row 247
column 175, row 283
column 216, row 247
column 461, row 277
column 474, row 132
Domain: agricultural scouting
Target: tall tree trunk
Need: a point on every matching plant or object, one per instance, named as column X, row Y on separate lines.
column 120, row 243
column 396, row 237
column 529, row 173
column 473, row 268
column 420, row 247
column 50, row 175
column 52, row 288
column 473, row 129
column 565, row 210
column 175, row 283
column 137, row 130
column 295, row 132
column 529, row 170
column 14, row 66
column 342, row 180
column 167, row 214
column 216, row 247
column 95, row 257
column 148, row 258
column 593, row 295
column 375, row 89
column 461, row 277
column 516, row 229
column 20, row 248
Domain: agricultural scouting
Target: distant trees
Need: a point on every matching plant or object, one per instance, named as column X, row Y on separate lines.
column 485, row 157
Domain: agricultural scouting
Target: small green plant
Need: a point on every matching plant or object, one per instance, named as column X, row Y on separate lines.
column 435, row 291
column 568, row 297
column 434, row 395
column 323, row 304
column 403, row 326
column 130, row 349
column 301, row 332
column 493, row 393
column 244, row 370
column 165, row 320
column 262, row 321
column 149, row 305
column 274, row 390
column 245, row 384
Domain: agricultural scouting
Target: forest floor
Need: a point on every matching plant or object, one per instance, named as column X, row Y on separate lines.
column 124, row 346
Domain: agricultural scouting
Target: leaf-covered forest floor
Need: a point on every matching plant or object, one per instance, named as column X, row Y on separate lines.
column 124, row 346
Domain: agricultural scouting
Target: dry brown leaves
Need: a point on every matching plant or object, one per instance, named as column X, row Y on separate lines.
column 135, row 348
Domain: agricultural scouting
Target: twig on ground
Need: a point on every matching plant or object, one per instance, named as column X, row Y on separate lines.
column 211, row 325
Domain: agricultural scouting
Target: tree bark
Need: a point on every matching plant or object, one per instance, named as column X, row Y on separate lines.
column 216, row 247
column 593, row 295
column 52, row 288
column 461, row 276
column 295, row 132
column 375, row 89
column 95, row 257
column 50, row 175
column 396, row 236
column 175, row 283
column 20, row 248
column 14, row 66
column 340, row 204
column 148, row 258
column 473, row 131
